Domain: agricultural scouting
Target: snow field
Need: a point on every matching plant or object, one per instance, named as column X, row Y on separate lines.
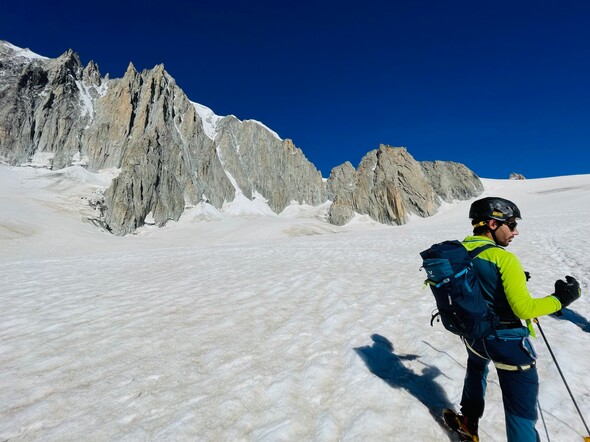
column 270, row 328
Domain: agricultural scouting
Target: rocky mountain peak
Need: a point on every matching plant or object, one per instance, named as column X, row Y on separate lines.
column 173, row 153
column 390, row 184
column 91, row 74
column 131, row 71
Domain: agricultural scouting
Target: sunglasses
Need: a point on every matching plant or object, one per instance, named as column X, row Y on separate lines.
column 511, row 225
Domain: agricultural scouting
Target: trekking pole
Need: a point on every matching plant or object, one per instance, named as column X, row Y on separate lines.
column 543, row 419
column 586, row 438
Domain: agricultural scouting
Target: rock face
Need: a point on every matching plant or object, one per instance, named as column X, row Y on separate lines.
column 452, row 181
column 172, row 153
column 42, row 108
column 390, row 184
column 260, row 162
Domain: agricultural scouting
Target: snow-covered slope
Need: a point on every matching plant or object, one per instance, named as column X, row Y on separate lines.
column 21, row 52
column 258, row 328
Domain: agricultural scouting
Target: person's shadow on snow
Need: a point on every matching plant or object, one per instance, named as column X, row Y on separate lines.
column 575, row 318
column 384, row 363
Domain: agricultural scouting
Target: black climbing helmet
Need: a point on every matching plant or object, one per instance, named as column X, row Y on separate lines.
column 493, row 208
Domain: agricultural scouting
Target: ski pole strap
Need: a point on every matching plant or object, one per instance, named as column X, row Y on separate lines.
column 501, row 365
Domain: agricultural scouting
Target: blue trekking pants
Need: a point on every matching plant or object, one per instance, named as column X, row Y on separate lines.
column 520, row 388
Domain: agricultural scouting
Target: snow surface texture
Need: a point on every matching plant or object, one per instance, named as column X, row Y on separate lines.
column 258, row 328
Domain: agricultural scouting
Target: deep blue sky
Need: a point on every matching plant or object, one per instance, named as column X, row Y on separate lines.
column 500, row 86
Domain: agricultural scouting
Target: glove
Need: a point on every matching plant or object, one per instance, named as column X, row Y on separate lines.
column 567, row 291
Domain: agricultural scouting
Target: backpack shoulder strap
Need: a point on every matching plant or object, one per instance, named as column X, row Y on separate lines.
column 473, row 253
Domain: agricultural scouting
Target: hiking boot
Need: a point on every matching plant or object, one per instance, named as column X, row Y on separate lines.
column 466, row 428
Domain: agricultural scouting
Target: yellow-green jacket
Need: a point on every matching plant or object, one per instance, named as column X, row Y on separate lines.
column 504, row 283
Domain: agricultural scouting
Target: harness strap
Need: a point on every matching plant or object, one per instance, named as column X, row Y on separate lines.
column 501, row 365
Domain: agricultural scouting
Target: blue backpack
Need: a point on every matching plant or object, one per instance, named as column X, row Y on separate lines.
column 456, row 289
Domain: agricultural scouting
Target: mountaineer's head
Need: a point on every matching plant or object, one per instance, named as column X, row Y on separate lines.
column 495, row 218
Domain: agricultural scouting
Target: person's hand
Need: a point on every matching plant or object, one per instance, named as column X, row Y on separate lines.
column 567, row 291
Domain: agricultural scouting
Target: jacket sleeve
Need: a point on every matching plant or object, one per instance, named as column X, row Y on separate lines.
column 520, row 300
